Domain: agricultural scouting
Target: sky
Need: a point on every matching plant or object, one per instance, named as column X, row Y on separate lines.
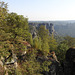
column 43, row 10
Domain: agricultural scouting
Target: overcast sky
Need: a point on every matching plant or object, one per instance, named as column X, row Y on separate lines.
column 43, row 10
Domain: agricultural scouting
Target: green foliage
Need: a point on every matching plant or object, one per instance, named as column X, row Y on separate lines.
column 16, row 29
column 44, row 66
column 44, row 35
column 18, row 25
column 37, row 43
column 70, row 41
column 5, row 43
column 61, row 51
column 29, row 38
column 3, row 14
column 30, row 66
column 18, row 71
column 52, row 43
column 45, row 47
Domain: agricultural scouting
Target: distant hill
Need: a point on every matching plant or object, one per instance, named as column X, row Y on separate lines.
column 67, row 29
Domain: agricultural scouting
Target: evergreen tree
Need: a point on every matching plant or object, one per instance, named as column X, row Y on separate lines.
column 52, row 43
column 3, row 14
column 37, row 43
column 44, row 35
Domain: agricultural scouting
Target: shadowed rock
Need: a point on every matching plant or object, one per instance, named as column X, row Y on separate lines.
column 69, row 64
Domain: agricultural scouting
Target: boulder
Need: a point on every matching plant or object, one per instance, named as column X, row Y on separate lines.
column 69, row 64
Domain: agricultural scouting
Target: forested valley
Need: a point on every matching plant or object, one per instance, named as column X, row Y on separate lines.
column 23, row 54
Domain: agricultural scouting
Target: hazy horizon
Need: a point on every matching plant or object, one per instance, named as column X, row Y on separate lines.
column 43, row 10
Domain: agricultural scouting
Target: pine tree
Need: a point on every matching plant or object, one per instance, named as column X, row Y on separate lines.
column 52, row 43
column 44, row 35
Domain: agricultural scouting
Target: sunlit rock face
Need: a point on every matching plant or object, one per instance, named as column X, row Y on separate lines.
column 35, row 26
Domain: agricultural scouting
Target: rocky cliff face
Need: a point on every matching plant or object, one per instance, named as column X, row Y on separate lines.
column 36, row 26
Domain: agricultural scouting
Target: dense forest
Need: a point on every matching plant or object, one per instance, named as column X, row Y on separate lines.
column 30, row 54
column 67, row 29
